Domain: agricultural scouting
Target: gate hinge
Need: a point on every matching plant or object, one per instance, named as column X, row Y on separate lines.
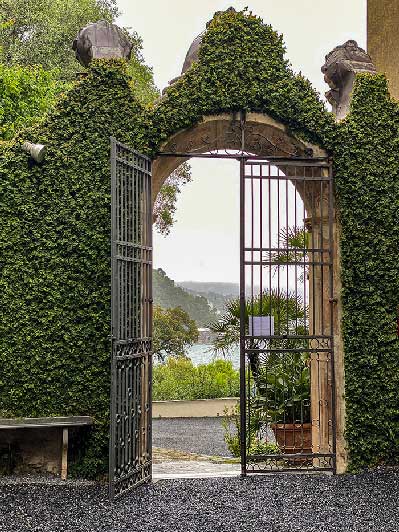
column 333, row 300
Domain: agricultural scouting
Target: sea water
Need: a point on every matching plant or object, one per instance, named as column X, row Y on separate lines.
column 203, row 354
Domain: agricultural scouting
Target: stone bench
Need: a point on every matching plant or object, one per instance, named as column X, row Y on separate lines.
column 37, row 437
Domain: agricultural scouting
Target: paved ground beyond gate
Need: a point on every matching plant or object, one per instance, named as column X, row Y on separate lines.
column 278, row 503
column 202, row 435
column 183, row 447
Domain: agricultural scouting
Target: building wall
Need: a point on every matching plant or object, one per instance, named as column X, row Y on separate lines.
column 383, row 39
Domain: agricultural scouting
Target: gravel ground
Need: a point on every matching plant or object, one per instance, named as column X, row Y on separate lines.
column 278, row 503
column 194, row 435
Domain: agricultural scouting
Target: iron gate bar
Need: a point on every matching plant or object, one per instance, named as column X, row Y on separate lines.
column 323, row 162
column 332, row 301
column 243, row 394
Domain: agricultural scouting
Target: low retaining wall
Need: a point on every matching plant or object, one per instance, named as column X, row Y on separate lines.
column 197, row 408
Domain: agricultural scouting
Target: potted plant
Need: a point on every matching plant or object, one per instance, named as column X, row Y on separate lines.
column 282, row 381
column 283, row 395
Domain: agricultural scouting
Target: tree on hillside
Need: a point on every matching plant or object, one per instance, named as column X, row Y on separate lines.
column 168, row 295
column 26, row 93
column 173, row 332
column 37, row 61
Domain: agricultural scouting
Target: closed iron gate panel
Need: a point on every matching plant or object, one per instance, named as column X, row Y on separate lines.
column 130, row 460
column 286, row 299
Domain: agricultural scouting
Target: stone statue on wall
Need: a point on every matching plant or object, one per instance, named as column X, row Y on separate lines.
column 101, row 40
column 340, row 69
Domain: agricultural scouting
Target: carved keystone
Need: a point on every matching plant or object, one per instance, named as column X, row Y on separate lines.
column 340, row 69
column 101, row 40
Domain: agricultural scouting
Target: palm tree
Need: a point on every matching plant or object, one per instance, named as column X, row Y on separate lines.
column 287, row 309
column 294, row 243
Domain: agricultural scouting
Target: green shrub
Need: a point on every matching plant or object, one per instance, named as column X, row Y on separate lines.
column 26, row 94
column 180, row 379
column 54, row 259
column 263, row 447
column 231, row 427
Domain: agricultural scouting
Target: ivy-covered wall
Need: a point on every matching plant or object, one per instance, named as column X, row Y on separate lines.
column 366, row 156
column 55, row 229
column 55, row 257
column 242, row 66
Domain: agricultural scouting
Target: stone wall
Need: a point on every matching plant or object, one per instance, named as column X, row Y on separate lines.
column 36, row 450
column 32, row 450
column 197, row 408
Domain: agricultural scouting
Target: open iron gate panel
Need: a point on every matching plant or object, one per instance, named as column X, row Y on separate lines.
column 286, row 296
column 130, row 459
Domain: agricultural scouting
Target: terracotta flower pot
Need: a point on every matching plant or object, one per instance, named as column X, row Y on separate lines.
column 293, row 438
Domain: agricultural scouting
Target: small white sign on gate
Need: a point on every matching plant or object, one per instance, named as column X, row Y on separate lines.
column 261, row 325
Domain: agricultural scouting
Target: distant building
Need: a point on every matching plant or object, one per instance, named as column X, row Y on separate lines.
column 383, row 39
column 205, row 336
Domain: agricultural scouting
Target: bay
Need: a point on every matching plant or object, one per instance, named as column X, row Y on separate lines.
column 203, row 354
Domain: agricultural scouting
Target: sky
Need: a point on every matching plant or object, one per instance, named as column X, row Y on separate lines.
column 204, row 242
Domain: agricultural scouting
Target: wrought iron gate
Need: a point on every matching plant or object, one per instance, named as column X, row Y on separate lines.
column 286, row 264
column 131, row 317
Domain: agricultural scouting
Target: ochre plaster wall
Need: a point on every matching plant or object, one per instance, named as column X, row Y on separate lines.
column 383, row 39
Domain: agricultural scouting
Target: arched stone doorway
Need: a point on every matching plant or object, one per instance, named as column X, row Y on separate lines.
column 254, row 139
column 259, row 135
column 262, row 136
column 196, row 118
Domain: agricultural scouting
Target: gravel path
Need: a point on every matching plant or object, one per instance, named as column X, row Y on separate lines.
column 279, row 503
column 194, row 435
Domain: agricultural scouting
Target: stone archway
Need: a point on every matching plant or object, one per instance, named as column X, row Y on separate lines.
column 264, row 136
column 261, row 135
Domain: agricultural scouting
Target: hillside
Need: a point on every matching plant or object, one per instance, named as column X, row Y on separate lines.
column 216, row 300
column 224, row 289
column 215, row 292
column 167, row 294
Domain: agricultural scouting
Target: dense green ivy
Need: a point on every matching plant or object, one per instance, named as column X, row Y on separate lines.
column 55, row 226
column 55, row 257
column 242, row 67
column 367, row 185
